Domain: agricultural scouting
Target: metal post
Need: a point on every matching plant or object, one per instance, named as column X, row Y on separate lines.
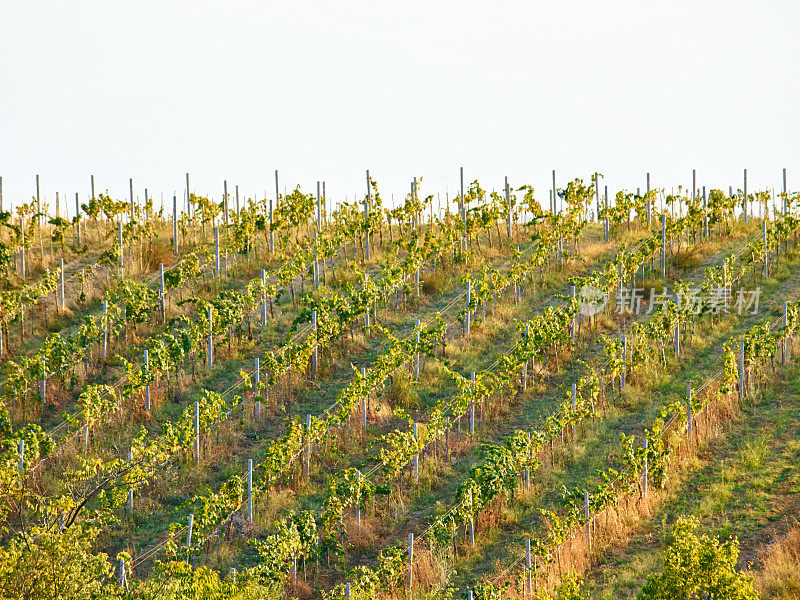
column 175, row 223
column 188, row 197
column 364, row 402
column 783, row 341
column 624, row 360
column 132, row 201
column 225, row 201
column 308, row 445
column 508, row 205
column 319, row 210
column 663, row 245
column 147, row 388
column 764, row 242
column 105, row 328
column 189, row 534
column 216, row 252
column 644, row 471
column 588, row 521
column 161, row 294
column 78, row 220
column 121, row 259
column 61, row 294
column 528, row 566
column 366, row 312
column 689, row 413
column 197, row 432
column 130, row 489
column 249, row 490
column 741, row 369
column 467, row 315
column 572, row 322
column 315, row 357
column 416, row 455
column 263, row 298
column 605, row 203
column 122, row 579
column 573, row 398
column 366, row 218
column 416, row 354
column 744, row 200
column 21, row 451
column 463, row 209
column 271, row 233
column 210, row 338
column 410, row 561
column 472, row 407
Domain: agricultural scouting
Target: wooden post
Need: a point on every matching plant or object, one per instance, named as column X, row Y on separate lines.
column 188, row 197
column 648, row 201
column 624, row 360
column 689, row 413
column 132, row 200
column 605, row 203
column 764, row 242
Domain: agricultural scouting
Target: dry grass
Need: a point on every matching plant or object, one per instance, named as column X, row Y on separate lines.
column 779, row 576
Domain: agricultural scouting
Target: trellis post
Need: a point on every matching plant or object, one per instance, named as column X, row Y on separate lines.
column 249, row 490
column 147, row 388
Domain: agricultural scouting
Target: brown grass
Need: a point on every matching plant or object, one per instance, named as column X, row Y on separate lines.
column 779, row 576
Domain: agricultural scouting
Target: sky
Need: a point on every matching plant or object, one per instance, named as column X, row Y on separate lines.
column 234, row 90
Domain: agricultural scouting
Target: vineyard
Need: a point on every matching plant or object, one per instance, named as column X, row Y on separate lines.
column 488, row 397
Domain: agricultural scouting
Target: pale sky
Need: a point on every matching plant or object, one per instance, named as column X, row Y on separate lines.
column 324, row 90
